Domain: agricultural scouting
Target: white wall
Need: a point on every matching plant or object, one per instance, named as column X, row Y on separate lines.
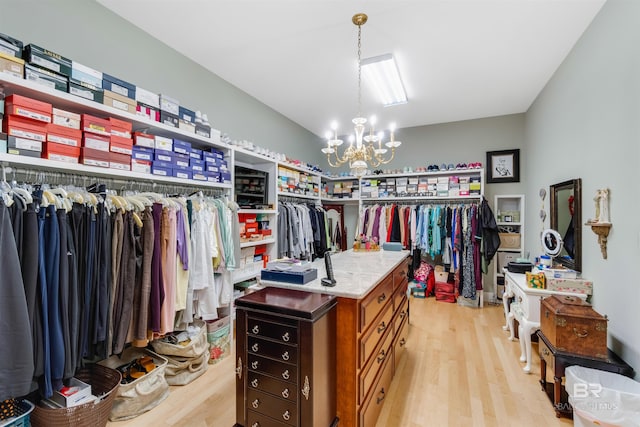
column 586, row 124
column 85, row 31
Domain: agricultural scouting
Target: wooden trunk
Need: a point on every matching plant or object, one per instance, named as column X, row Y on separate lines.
column 573, row 326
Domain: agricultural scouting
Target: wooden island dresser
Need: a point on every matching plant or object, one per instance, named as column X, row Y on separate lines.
column 371, row 329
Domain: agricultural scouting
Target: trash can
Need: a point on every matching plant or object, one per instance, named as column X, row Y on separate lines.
column 601, row 398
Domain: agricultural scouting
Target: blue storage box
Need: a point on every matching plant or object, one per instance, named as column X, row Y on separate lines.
column 182, row 147
column 118, row 86
column 142, row 153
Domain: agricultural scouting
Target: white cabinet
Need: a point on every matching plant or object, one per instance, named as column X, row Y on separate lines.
column 509, row 213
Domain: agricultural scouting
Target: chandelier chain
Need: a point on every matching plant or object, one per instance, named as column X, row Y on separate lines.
column 359, row 71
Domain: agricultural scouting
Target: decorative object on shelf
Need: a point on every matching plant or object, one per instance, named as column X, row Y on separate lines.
column 362, row 154
column 503, row 166
column 601, row 224
column 366, row 244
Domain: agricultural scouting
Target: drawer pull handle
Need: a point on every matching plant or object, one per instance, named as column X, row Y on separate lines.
column 254, row 364
column 239, row 368
column 382, row 327
column 285, row 355
column 256, row 424
column 306, row 388
column 286, row 416
column 286, row 375
column 545, row 351
column 381, row 397
column 402, row 342
column 255, row 347
column 254, row 383
column 582, row 334
column 255, row 404
column 286, row 337
column 285, row 393
column 256, row 330
column 382, row 356
column 403, row 313
column 381, row 298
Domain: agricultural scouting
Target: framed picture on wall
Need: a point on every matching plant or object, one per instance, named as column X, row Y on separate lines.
column 503, row 166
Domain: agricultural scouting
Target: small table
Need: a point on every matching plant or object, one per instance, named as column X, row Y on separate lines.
column 559, row 360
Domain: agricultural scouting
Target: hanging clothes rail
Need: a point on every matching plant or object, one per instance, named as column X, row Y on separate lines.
column 35, row 176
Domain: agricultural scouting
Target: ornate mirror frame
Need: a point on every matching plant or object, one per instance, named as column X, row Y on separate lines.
column 561, row 218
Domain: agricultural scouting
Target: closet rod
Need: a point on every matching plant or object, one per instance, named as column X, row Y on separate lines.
column 451, row 202
column 34, row 176
column 300, row 200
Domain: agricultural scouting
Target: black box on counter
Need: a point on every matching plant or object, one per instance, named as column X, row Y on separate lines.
column 46, row 78
column 203, row 130
column 10, row 46
column 295, row 277
column 118, row 86
column 86, row 90
column 44, row 58
column 169, row 119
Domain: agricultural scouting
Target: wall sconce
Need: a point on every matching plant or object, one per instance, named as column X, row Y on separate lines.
column 601, row 224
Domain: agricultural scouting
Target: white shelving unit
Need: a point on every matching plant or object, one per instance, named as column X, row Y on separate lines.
column 509, row 212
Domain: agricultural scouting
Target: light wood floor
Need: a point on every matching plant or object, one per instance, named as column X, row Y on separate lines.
column 459, row 369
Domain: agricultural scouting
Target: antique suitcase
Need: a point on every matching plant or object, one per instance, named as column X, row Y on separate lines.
column 571, row 325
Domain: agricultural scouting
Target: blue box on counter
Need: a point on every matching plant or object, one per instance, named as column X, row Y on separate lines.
column 181, row 160
column 295, row 277
column 118, row 86
column 225, row 176
column 162, row 164
column 211, row 167
column 186, row 115
column 223, row 164
column 184, row 173
column 159, row 170
column 199, row 176
column 195, row 154
column 142, row 153
column 182, row 147
column 196, row 165
column 163, row 156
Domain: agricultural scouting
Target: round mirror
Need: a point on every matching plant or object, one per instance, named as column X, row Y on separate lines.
column 551, row 242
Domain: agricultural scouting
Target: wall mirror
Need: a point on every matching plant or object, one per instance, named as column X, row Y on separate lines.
column 566, row 219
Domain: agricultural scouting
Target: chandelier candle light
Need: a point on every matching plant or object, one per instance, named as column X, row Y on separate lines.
column 365, row 151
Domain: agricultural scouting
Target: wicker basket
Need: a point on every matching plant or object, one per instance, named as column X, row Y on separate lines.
column 104, row 384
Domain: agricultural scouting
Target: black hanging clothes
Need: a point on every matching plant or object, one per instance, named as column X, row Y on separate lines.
column 16, row 352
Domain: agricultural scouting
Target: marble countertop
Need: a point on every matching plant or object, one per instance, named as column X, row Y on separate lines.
column 356, row 273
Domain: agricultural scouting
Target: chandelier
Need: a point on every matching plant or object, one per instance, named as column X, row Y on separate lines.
column 363, row 150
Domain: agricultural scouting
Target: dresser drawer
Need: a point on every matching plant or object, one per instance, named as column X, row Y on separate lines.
column 373, row 303
column 274, row 368
column 369, row 374
column 402, row 327
column 371, row 408
column 274, row 350
column 400, row 276
column 401, row 304
column 546, row 355
column 372, row 337
column 255, row 419
column 271, row 385
column 278, row 409
column 275, row 331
